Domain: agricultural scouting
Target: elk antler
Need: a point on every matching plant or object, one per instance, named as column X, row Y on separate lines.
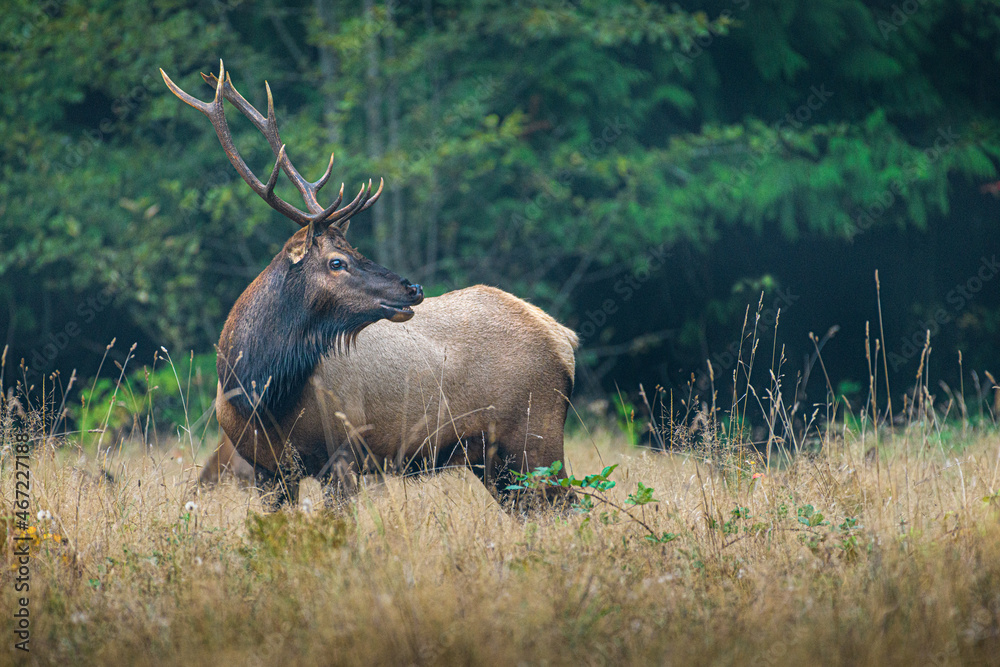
column 318, row 218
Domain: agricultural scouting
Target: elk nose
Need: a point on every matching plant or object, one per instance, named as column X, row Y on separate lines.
column 416, row 292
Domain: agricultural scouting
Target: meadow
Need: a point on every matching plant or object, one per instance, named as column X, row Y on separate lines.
column 867, row 546
column 639, row 171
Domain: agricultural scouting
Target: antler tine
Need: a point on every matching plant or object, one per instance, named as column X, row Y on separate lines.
column 326, row 175
column 215, row 112
column 204, row 107
column 363, row 200
column 321, row 217
column 351, row 208
column 268, row 126
column 273, row 179
column 374, row 197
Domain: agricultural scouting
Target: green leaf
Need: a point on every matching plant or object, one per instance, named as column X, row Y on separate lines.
column 661, row 539
column 642, row 496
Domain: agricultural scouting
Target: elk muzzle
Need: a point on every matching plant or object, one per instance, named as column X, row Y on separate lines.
column 403, row 312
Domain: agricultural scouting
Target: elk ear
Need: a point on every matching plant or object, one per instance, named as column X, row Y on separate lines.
column 297, row 251
column 298, row 248
column 343, row 225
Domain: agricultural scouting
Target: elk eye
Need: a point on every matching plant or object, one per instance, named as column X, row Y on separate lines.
column 336, row 265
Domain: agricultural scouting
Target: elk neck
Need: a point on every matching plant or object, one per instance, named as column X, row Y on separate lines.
column 273, row 340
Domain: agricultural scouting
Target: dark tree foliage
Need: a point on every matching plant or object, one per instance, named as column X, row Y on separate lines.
column 642, row 170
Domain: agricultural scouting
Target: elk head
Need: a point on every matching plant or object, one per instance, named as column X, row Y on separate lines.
column 317, row 294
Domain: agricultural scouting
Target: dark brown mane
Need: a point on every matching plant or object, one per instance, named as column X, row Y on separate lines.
column 270, row 344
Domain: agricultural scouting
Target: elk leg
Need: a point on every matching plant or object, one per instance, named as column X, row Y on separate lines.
column 224, row 460
column 520, row 458
column 280, row 489
column 340, row 475
column 497, row 473
column 480, row 454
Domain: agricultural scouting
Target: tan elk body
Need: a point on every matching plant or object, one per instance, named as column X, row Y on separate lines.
column 323, row 372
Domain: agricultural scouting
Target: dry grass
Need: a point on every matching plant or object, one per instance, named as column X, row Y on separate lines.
column 871, row 546
column 432, row 571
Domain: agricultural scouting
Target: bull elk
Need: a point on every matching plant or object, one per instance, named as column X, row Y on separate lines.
column 319, row 375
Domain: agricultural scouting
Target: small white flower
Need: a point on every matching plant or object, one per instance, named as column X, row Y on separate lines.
column 197, row 560
column 44, row 515
column 190, row 506
column 78, row 618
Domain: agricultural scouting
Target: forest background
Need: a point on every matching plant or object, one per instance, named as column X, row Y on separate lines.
column 646, row 172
